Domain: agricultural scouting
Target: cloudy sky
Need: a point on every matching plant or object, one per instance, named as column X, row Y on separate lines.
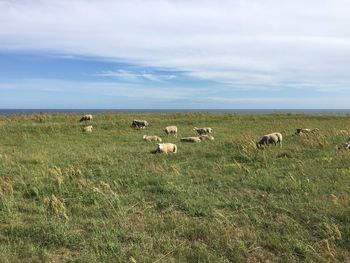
column 174, row 54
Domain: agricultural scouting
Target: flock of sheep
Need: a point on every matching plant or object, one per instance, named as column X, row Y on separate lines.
column 204, row 134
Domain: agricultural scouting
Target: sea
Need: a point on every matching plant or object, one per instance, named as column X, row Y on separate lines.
column 336, row 112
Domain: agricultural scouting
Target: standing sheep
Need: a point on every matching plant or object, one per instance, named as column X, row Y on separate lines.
column 191, row 139
column 166, row 148
column 171, row 130
column 202, row 131
column 86, row 117
column 152, row 138
column 140, row 124
column 272, row 138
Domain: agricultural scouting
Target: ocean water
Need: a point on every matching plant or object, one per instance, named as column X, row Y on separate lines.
column 162, row 111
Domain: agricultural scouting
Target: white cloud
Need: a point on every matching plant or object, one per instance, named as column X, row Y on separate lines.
column 242, row 43
column 128, row 75
column 93, row 89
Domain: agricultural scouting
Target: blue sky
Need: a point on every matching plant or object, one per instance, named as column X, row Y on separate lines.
column 174, row 54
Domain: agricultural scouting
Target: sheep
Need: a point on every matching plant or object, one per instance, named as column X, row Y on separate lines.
column 191, row 139
column 140, row 124
column 202, row 131
column 152, row 138
column 301, row 131
column 171, row 130
column 347, row 144
column 87, row 128
column 166, row 148
column 272, row 138
column 206, row 137
column 86, row 117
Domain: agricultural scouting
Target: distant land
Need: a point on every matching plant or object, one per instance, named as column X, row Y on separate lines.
column 162, row 111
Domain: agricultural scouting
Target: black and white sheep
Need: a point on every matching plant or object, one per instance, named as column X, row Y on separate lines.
column 202, row 131
column 140, row 124
column 347, row 144
column 86, row 117
column 272, row 138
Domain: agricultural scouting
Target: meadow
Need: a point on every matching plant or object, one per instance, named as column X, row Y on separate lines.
column 68, row 196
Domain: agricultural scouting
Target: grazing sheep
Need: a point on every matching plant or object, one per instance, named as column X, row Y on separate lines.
column 272, row 138
column 166, row 148
column 206, row 137
column 191, row 139
column 152, row 138
column 87, row 128
column 202, row 131
column 140, row 124
column 86, row 117
column 171, row 130
column 301, row 131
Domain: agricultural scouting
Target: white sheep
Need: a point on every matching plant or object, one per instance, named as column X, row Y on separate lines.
column 152, row 138
column 171, row 130
column 86, row 117
column 206, row 137
column 202, row 131
column 87, row 128
column 166, row 148
column 191, row 139
column 272, row 138
column 301, row 131
column 140, row 124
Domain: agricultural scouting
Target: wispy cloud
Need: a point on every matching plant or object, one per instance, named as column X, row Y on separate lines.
column 128, row 75
column 240, row 45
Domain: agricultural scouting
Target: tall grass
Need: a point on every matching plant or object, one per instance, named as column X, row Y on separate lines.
column 68, row 196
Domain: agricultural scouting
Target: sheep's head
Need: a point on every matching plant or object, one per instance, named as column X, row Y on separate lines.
column 144, row 136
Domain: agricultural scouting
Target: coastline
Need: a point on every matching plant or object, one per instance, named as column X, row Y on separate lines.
column 335, row 112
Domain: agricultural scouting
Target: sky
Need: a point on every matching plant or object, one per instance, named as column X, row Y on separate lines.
column 174, row 54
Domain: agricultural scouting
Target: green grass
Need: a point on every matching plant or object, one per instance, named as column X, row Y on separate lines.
column 68, row 196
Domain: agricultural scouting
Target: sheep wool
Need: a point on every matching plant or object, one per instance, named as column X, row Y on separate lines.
column 272, row 138
column 152, row 138
column 166, row 148
column 171, row 130
column 191, row 139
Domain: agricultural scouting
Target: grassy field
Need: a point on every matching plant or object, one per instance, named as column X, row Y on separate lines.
column 68, row 196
